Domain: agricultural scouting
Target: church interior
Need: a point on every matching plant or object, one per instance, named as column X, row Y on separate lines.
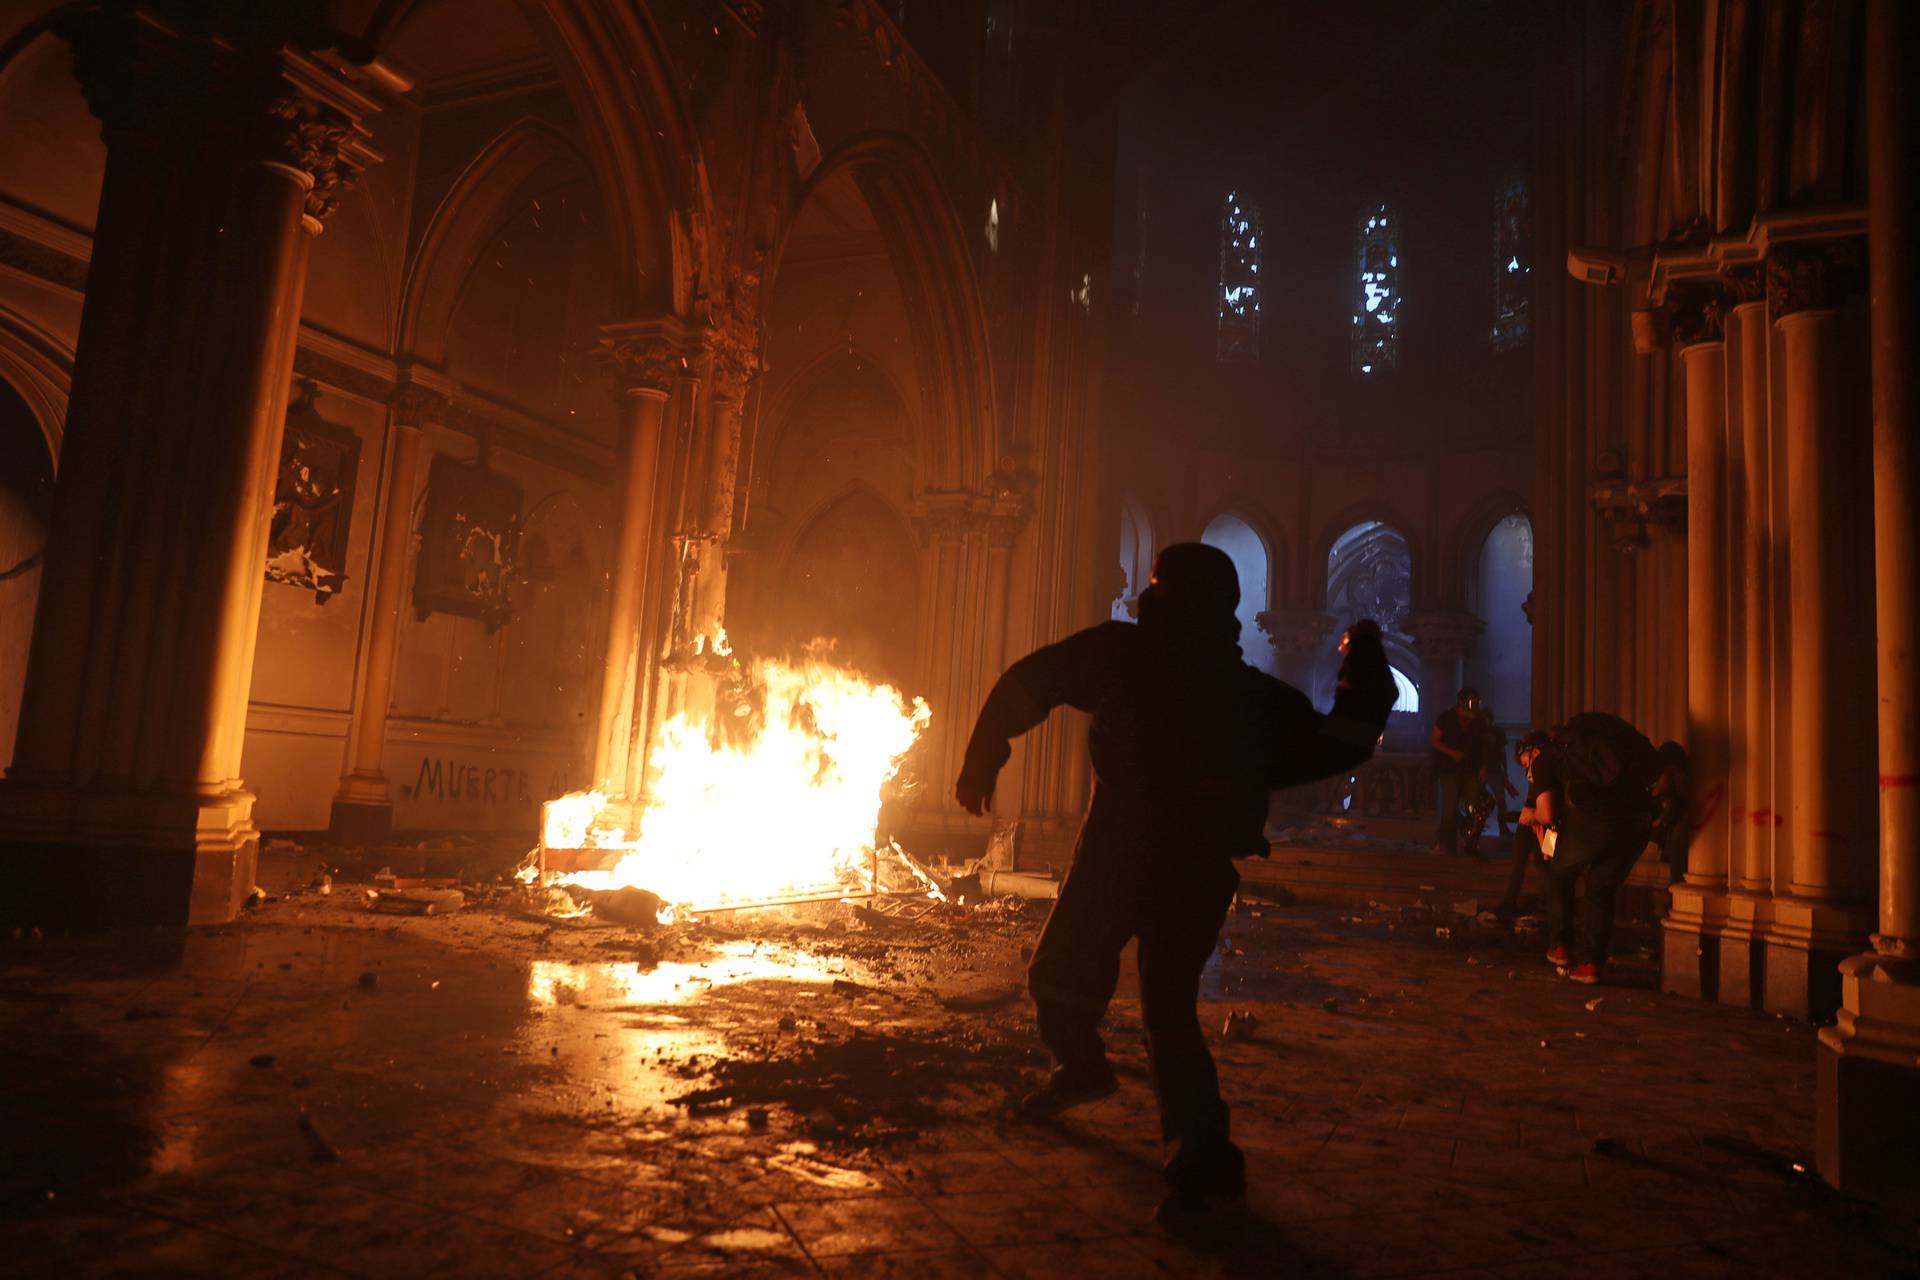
column 509, row 510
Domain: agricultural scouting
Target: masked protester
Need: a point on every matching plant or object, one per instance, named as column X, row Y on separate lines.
column 1187, row 740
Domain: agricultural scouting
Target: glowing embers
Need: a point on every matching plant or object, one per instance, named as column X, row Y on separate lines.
column 1376, row 303
column 775, row 796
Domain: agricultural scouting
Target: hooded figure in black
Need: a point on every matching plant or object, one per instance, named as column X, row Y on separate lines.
column 1187, row 741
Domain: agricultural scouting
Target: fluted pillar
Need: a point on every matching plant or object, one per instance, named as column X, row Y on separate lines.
column 1869, row 1061
column 1821, row 913
column 944, row 520
column 1751, row 805
column 363, row 806
column 124, row 802
column 645, row 359
column 1703, row 365
column 735, row 361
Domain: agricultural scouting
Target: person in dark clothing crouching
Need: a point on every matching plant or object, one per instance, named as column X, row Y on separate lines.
column 1590, row 805
column 1187, row 740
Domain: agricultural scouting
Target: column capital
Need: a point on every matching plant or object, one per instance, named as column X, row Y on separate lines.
column 734, row 360
column 1296, row 633
column 1814, row 277
column 245, row 91
column 646, row 357
column 1444, row 635
column 944, row 515
column 414, row 405
column 1697, row 312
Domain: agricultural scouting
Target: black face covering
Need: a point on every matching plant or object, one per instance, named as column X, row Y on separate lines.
column 1193, row 596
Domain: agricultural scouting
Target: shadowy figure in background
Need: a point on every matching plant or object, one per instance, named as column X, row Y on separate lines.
column 1593, row 810
column 1526, row 841
column 1187, row 741
column 1459, row 742
column 1672, row 793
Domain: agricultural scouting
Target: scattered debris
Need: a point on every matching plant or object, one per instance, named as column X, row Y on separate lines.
column 416, row 902
column 842, row 987
column 1594, row 1004
column 636, row 908
column 323, row 1148
column 980, row 1002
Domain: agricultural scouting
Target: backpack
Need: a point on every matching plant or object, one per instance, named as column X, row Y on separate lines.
column 1606, row 763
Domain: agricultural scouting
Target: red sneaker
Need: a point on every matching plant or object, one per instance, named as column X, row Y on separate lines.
column 1560, row 956
column 1587, row 973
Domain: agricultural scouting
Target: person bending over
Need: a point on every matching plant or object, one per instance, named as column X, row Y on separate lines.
column 1187, row 740
column 1593, row 812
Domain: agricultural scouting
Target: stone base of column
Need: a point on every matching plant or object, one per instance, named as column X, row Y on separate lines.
column 362, row 809
column 1805, row 943
column 1866, row 1124
column 1742, row 965
column 1690, row 942
column 84, row 860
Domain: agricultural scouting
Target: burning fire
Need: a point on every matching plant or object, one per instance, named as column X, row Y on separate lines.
column 780, row 795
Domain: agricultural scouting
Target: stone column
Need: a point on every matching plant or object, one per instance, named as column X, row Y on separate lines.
column 1703, row 368
column 363, row 806
column 1299, row 637
column 943, row 520
column 1869, row 1061
column 1443, row 639
column 1822, row 913
column 735, row 361
column 646, row 359
column 1752, row 808
column 1005, row 516
column 124, row 803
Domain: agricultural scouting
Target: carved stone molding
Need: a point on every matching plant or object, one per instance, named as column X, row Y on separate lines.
column 1814, row 277
column 1633, row 509
column 648, row 355
column 415, row 405
column 1444, row 636
column 1698, row 312
column 1003, row 521
column 246, row 92
column 1296, row 633
column 944, row 516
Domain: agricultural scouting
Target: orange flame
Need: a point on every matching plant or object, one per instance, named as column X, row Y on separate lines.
column 786, row 802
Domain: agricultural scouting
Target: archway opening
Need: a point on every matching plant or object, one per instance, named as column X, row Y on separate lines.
column 1136, row 560
column 1501, row 665
column 1250, row 560
column 26, row 499
column 1370, row 575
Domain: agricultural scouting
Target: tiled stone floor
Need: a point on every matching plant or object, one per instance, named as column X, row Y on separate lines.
column 499, row 1098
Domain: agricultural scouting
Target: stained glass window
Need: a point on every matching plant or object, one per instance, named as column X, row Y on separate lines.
column 1239, row 280
column 1376, row 298
column 1512, row 268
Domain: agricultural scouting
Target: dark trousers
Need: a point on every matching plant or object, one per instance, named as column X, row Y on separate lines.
column 1526, row 846
column 1125, row 884
column 1453, row 787
column 1589, row 865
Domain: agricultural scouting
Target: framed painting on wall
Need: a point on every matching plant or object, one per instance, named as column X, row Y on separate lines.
column 469, row 538
column 312, row 500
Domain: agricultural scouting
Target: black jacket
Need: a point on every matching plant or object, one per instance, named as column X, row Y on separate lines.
column 1187, row 739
